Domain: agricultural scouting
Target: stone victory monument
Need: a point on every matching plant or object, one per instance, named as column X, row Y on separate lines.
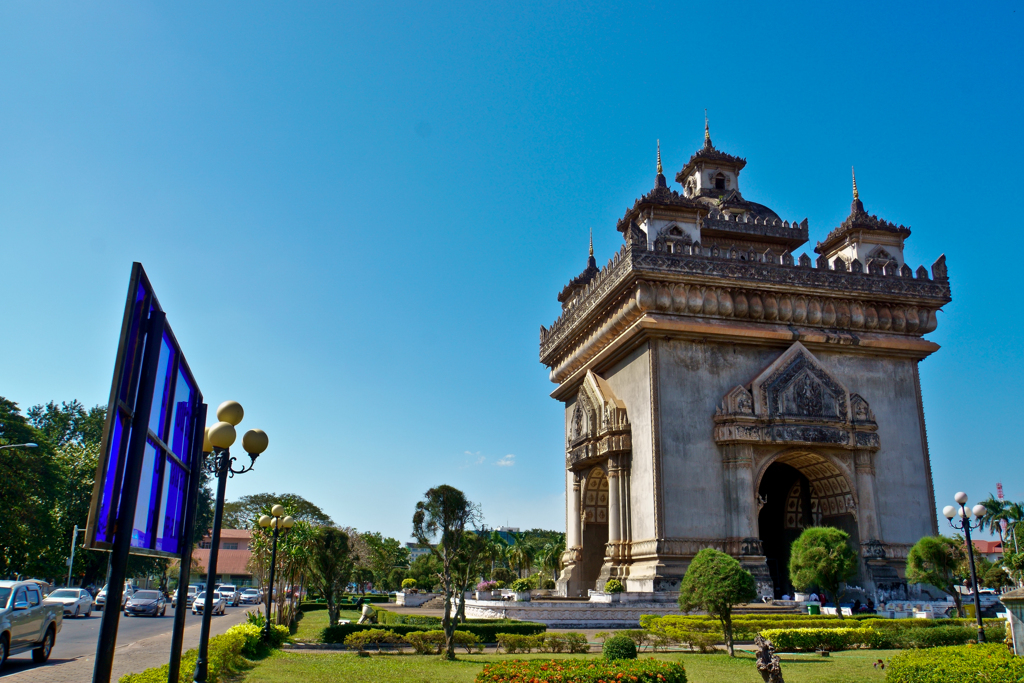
column 722, row 392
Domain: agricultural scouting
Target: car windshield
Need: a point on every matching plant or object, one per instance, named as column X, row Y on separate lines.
column 146, row 595
column 64, row 593
column 251, row 591
column 201, row 596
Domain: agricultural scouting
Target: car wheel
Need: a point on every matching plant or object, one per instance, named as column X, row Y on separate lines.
column 76, row 614
column 42, row 653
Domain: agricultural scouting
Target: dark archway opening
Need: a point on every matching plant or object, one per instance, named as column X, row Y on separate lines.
column 800, row 490
column 595, row 526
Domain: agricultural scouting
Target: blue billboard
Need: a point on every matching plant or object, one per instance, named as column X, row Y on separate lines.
column 169, row 448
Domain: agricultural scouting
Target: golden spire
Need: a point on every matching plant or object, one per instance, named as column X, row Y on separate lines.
column 707, row 130
column 855, row 195
column 659, row 157
column 591, row 241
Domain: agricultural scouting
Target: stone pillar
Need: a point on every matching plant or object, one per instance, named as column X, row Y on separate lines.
column 741, row 498
column 614, row 509
column 867, row 517
column 574, row 532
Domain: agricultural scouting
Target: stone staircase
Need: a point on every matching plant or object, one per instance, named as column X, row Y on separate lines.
column 434, row 603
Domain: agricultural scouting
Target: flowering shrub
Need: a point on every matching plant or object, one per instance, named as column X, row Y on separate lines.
column 583, row 671
column 991, row 663
column 487, row 585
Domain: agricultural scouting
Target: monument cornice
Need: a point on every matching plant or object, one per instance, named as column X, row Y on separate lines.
column 716, row 289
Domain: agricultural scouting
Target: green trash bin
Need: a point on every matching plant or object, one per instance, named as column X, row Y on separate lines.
column 814, row 609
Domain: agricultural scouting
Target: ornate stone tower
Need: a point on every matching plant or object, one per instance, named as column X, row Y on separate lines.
column 721, row 392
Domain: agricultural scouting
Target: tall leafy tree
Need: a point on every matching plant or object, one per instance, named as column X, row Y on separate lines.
column 68, row 422
column 383, row 556
column 469, row 565
column 940, row 561
column 822, row 557
column 330, row 566
column 241, row 513
column 441, row 521
column 716, row 582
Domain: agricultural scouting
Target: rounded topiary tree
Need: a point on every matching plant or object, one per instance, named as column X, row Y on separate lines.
column 619, row 647
column 822, row 557
column 613, row 586
column 716, row 582
column 408, row 584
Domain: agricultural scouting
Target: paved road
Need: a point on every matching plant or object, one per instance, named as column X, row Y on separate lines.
column 142, row 642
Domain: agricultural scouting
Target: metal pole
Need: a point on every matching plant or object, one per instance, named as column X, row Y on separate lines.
column 71, row 560
column 974, row 577
column 270, row 593
column 202, row 661
column 185, row 569
column 107, row 640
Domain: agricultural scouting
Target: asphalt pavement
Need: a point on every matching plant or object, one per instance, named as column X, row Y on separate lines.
column 142, row 642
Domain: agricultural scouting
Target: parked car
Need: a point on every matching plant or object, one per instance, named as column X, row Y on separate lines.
column 101, row 597
column 26, row 622
column 199, row 604
column 190, row 595
column 77, row 602
column 250, row 596
column 146, row 603
column 229, row 593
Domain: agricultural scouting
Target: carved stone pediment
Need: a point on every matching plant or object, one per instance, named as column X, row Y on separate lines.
column 796, row 401
column 598, row 426
column 797, row 385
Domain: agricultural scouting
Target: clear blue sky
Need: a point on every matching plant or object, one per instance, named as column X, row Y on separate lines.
column 357, row 217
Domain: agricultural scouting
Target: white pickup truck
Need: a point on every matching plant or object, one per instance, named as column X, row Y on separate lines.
column 26, row 622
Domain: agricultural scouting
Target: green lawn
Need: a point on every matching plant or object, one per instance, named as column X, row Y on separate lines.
column 327, row 667
column 311, row 623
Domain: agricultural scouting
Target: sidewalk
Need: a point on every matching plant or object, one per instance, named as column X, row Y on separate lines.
column 128, row 658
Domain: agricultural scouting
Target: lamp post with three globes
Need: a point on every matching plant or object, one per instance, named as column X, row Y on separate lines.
column 964, row 523
column 218, row 461
column 275, row 521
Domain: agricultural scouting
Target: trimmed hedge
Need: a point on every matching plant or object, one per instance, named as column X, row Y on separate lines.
column 812, row 639
column 487, row 631
column 991, row 663
column 583, row 671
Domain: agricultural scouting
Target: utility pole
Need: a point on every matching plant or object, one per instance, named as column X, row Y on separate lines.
column 71, row 560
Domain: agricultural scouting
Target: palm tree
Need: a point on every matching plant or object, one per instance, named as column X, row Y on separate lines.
column 522, row 552
column 551, row 556
column 995, row 513
column 1014, row 517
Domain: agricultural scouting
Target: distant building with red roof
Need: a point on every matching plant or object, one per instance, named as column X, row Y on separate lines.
column 232, row 560
column 990, row 550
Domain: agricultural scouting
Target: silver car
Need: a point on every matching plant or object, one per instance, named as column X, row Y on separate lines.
column 76, row 601
column 250, row 596
column 199, row 604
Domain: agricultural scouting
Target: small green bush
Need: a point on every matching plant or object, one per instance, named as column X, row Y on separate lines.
column 613, row 586
column 619, row 647
column 408, row 583
column 226, row 659
column 512, row 643
column 583, row 671
column 373, row 636
column 549, row 584
column 989, row 663
column 426, row 642
column 520, row 585
column 499, row 584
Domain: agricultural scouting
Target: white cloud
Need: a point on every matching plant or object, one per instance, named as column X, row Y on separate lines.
column 506, row 461
column 474, row 458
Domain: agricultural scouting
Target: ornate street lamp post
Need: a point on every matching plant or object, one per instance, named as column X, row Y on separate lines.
column 277, row 523
column 218, row 462
column 964, row 523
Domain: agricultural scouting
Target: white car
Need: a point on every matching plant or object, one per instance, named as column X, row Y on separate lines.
column 199, row 604
column 251, row 596
column 76, row 602
column 229, row 593
column 101, row 597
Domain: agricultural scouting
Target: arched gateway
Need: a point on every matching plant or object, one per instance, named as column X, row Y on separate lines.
column 721, row 392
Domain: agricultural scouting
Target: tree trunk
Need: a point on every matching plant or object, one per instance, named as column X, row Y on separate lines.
column 839, row 610
column 727, row 630
column 447, row 624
